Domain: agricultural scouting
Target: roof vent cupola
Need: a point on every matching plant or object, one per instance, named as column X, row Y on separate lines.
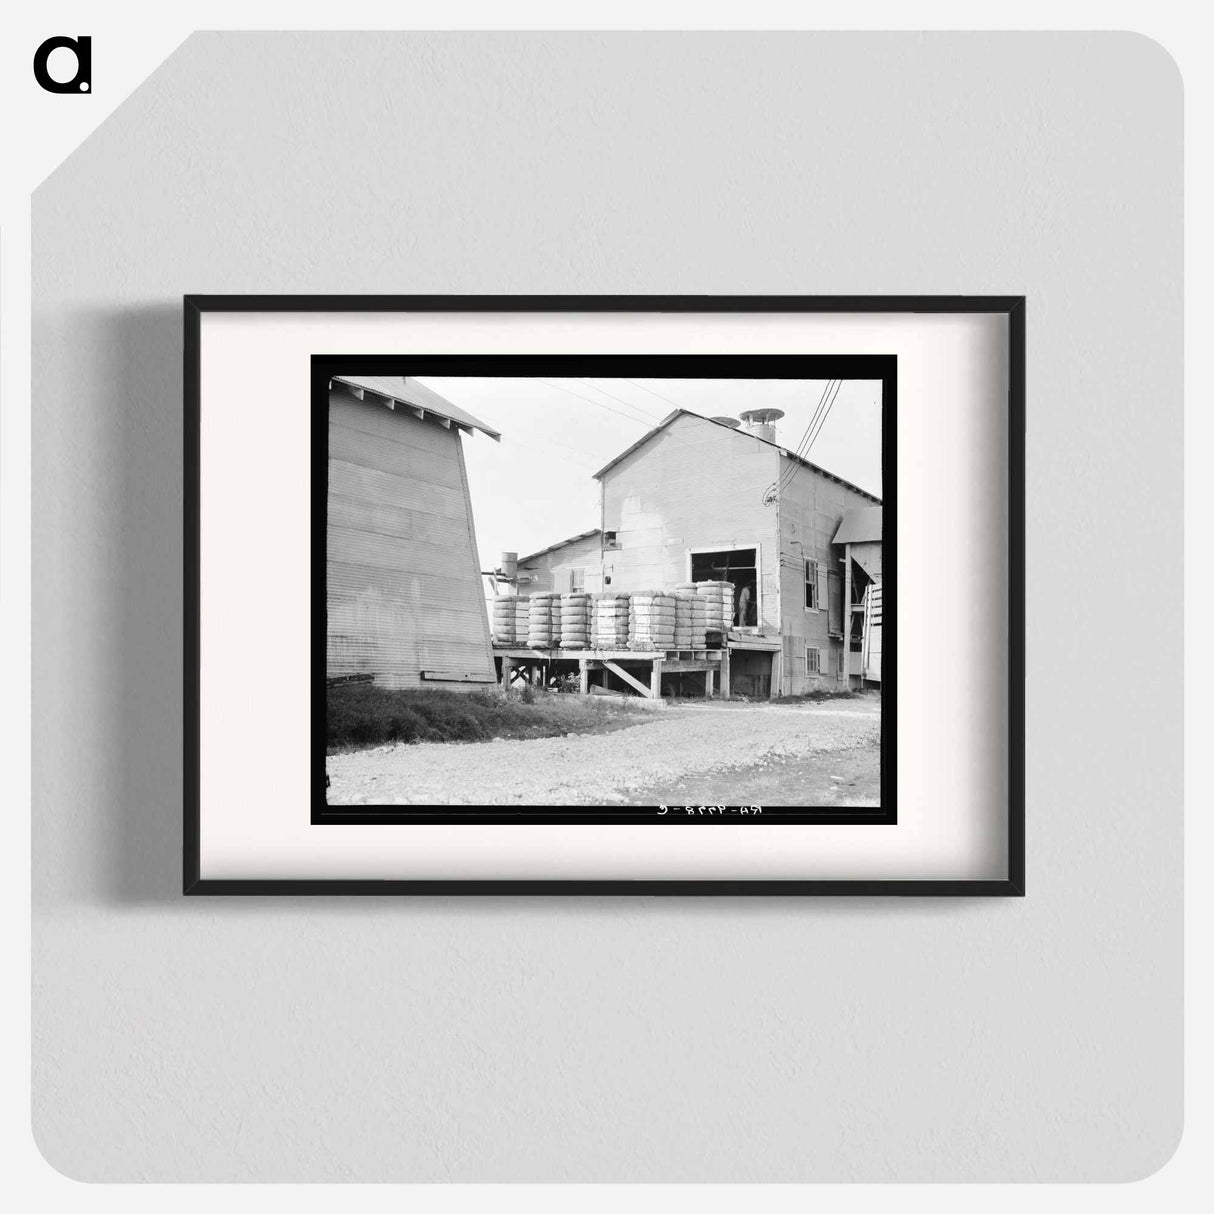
column 762, row 423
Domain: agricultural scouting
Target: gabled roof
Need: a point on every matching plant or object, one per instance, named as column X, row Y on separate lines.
column 573, row 539
column 860, row 526
column 394, row 390
column 708, row 421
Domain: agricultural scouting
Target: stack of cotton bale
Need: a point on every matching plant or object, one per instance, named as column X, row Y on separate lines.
column 718, row 599
column 690, row 616
column 522, row 616
column 502, row 617
column 540, row 626
column 698, row 614
column 608, row 620
column 575, row 621
column 651, row 620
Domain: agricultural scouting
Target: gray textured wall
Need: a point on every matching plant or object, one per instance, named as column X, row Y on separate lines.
column 627, row 1039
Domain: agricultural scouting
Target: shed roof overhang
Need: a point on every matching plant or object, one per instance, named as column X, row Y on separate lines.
column 860, row 526
column 404, row 392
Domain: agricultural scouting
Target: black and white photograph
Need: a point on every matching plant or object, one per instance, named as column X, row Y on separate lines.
column 597, row 592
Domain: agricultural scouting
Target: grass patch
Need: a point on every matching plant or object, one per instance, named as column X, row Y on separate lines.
column 816, row 697
column 360, row 715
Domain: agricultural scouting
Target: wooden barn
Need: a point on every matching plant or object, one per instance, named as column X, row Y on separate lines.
column 702, row 499
column 404, row 601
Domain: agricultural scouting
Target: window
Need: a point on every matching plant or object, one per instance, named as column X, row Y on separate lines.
column 577, row 581
column 811, row 585
column 813, row 660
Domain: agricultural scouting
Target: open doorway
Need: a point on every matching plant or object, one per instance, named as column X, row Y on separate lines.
column 740, row 566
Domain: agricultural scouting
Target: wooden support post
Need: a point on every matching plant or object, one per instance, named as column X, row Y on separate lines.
column 584, row 673
column 725, row 673
column 507, row 669
column 708, row 684
column 655, row 680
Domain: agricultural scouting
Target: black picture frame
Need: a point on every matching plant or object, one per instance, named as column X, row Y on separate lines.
column 1011, row 307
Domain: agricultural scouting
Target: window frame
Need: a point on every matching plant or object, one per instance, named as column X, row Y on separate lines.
column 812, row 580
column 757, row 548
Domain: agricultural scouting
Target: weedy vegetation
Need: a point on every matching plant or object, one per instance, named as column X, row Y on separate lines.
column 359, row 715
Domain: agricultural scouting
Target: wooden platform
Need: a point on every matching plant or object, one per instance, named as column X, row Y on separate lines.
column 528, row 663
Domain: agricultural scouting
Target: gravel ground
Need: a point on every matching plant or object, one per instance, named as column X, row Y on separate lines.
column 663, row 749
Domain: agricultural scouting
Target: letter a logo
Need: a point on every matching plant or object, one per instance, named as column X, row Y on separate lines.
column 82, row 81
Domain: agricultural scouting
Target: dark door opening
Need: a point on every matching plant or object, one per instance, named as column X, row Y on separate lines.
column 738, row 566
column 750, row 674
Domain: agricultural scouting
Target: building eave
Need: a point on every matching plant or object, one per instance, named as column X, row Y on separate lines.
column 573, row 539
column 405, row 392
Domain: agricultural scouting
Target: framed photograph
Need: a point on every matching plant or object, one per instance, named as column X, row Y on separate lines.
column 604, row 595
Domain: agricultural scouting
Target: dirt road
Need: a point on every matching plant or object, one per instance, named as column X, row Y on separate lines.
column 784, row 754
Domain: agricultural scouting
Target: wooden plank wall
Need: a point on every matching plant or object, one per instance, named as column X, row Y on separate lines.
column 403, row 584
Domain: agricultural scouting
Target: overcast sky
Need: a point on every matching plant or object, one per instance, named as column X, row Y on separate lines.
column 536, row 486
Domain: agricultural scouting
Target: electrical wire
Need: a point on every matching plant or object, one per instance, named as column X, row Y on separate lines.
column 589, row 400
column 785, row 479
column 807, row 438
column 829, row 405
column 813, row 421
column 644, row 412
column 651, row 392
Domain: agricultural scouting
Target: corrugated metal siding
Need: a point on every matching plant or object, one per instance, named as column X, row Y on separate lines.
column 811, row 509
column 403, row 582
column 694, row 485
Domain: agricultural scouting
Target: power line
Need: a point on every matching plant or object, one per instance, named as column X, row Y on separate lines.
column 829, row 405
column 806, row 441
column 587, row 399
column 651, row 416
column 796, row 467
column 804, row 454
column 651, row 392
column 785, row 479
